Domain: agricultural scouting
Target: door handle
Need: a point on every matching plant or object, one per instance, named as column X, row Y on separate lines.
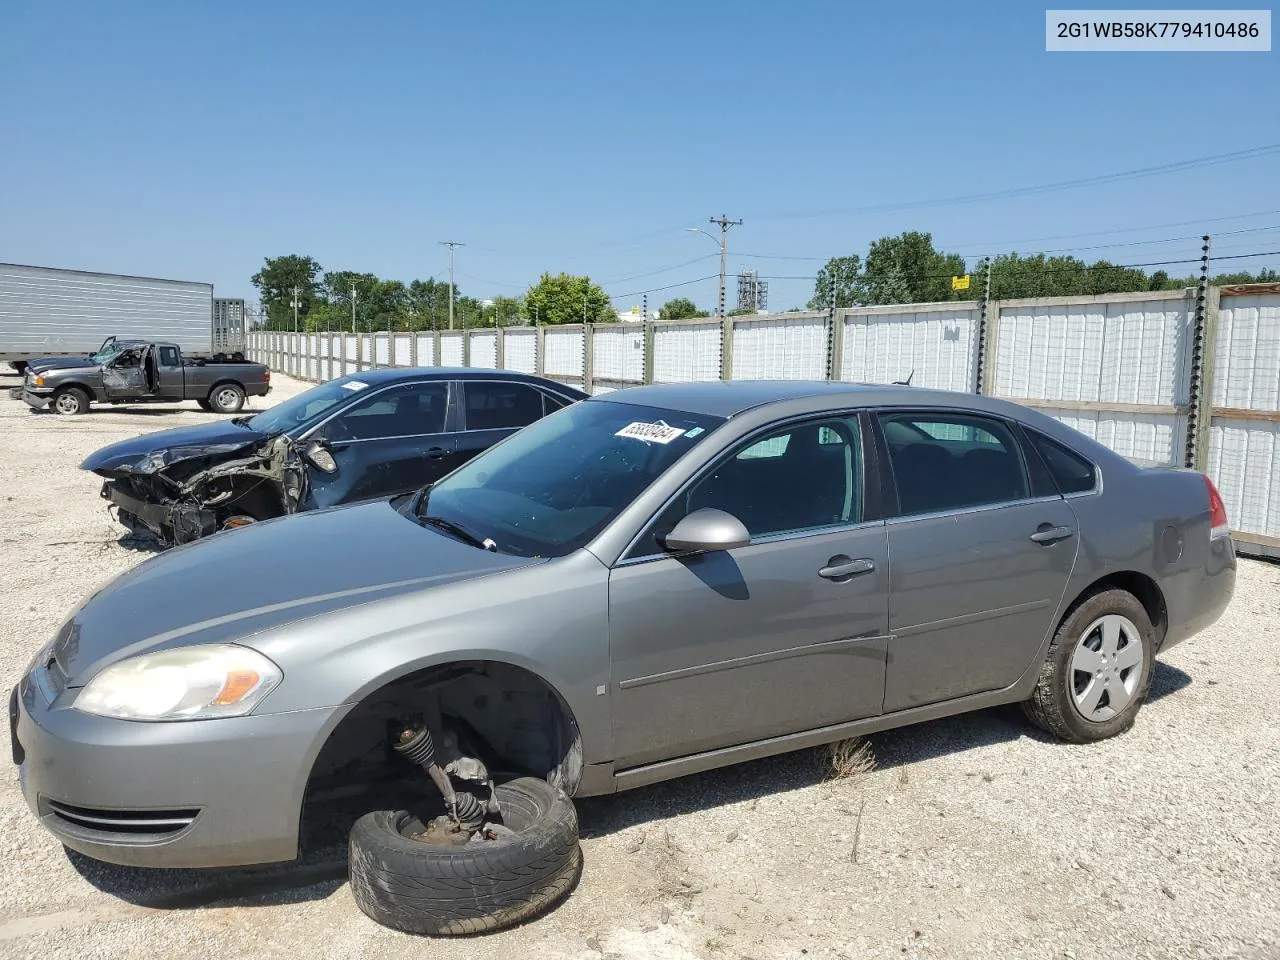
column 436, row 453
column 841, row 568
column 1048, row 534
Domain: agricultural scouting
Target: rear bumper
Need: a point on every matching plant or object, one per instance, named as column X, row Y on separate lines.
column 1197, row 598
column 208, row 793
column 37, row 401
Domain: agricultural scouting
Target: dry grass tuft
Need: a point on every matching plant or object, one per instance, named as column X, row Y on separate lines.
column 848, row 759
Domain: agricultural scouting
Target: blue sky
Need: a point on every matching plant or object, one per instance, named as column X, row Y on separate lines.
column 191, row 141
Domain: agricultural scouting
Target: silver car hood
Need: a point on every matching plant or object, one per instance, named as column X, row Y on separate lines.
column 253, row 578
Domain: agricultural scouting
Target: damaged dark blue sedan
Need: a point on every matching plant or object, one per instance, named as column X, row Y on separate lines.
column 373, row 434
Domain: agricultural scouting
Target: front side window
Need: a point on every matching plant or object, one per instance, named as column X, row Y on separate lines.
column 406, row 410
column 803, row 477
column 550, row 488
column 494, row 405
column 308, row 406
column 943, row 461
column 1071, row 472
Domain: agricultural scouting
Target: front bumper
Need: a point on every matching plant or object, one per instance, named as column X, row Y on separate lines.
column 206, row 793
column 163, row 520
column 37, row 401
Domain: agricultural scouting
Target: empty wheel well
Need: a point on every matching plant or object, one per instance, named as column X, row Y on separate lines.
column 1142, row 587
column 515, row 721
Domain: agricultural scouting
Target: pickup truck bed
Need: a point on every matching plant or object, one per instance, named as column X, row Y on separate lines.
column 146, row 373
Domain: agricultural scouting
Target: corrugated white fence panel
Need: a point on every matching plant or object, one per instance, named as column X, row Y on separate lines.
column 313, row 356
column 1128, row 351
column 1246, row 371
column 402, row 354
column 1244, row 461
column 1149, row 436
column 780, row 348
column 938, row 349
column 617, row 353
column 484, row 349
column 426, row 350
column 382, row 349
column 686, row 351
column 349, row 346
column 564, row 353
column 366, row 351
column 451, row 349
column 520, row 350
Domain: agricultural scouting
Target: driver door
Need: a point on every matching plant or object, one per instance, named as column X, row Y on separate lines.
column 388, row 442
column 724, row 648
column 125, row 377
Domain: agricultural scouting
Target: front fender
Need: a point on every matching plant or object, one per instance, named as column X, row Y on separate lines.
column 550, row 619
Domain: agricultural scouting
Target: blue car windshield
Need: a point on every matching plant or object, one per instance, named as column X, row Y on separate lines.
column 306, row 406
column 550, row 488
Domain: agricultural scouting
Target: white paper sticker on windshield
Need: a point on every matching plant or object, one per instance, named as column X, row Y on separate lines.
column 653, row 432
column 354, row 385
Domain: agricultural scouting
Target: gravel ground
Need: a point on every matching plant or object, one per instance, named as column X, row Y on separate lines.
column 973, row 837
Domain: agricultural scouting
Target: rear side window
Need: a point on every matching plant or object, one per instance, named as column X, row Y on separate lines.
column 168, row 356
column 493, row 405
column 944, row 461
column 1071, row 472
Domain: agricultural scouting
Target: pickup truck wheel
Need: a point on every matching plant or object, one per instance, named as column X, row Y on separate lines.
column 226, row 398
column 205, row 405
column 448, row 890
column 1097, row 670
column 69, row 401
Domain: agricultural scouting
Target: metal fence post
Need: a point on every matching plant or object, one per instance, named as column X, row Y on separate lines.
column 650, row 330
column 588, row 348
column 835, row 347
column 988, row 335
column 1195, row 372
column 979, row 375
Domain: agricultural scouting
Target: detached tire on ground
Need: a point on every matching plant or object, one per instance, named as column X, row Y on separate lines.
column 476, row 887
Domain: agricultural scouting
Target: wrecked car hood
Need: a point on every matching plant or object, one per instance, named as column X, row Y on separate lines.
column 155, row 451
column 235, row 584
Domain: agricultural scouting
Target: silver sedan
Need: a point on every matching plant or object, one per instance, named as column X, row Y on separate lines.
column 642, row 585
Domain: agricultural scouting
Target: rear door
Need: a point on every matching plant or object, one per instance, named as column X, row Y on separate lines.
column 492, row 410
column 389, row 441
column 169, row 383
column 979, row 557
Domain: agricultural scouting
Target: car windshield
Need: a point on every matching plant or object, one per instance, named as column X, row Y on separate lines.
column 551, row 487
column 107, row 354
column 306, row 406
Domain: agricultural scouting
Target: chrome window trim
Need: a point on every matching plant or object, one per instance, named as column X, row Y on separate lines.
column 743, row 443
column 978, row 508
column 1093, row 491
column 757, row 541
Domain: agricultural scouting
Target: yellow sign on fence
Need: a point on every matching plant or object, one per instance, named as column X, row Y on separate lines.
column 960, row 283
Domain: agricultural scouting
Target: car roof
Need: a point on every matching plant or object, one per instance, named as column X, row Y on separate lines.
column 718, row 398
column 396, row 374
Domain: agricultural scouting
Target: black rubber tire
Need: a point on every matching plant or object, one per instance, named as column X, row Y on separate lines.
column 205, row 404
column 476, row 887
column 226, row 387
column 60, row 401
column 1050, row 706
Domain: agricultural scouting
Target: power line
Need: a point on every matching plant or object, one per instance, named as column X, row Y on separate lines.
column 1103, row 233
column 1195, row 163
column 669, row 286
column 651, row 273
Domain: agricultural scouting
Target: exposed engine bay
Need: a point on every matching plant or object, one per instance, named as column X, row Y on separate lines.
column 180, row 494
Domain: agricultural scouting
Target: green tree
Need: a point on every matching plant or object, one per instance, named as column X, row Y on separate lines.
column 845, row 272
column 907, row 269
column 429, row 300
column 568, row 299
column 275, row 283
column 681, row 308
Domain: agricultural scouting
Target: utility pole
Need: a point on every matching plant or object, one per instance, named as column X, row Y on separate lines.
column 451, row 244
column 353, row 308
column 725, row 223
column 295, row 309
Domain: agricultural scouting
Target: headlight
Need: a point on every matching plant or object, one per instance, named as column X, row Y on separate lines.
column 187, row 683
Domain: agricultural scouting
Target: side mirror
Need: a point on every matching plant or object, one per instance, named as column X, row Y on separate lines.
column 707, row 530
column 319, row 456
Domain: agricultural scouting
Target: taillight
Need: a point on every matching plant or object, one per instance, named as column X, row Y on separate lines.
column 1217, row 512
column 267, row 378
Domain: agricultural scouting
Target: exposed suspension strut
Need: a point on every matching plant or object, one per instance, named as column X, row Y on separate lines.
column 414, row 743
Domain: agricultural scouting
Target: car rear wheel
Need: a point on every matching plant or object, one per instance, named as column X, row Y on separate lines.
column 70, row 401
column 403, row 881
column 1097, row 671
column 226, row 398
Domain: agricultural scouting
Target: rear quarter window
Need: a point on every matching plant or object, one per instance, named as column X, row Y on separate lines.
column 1070, row 471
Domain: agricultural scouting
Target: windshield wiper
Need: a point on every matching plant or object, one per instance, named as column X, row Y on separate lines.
column 461, row 532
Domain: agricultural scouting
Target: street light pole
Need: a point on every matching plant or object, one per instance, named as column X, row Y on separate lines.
column 725, row 223
column 451, row 244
